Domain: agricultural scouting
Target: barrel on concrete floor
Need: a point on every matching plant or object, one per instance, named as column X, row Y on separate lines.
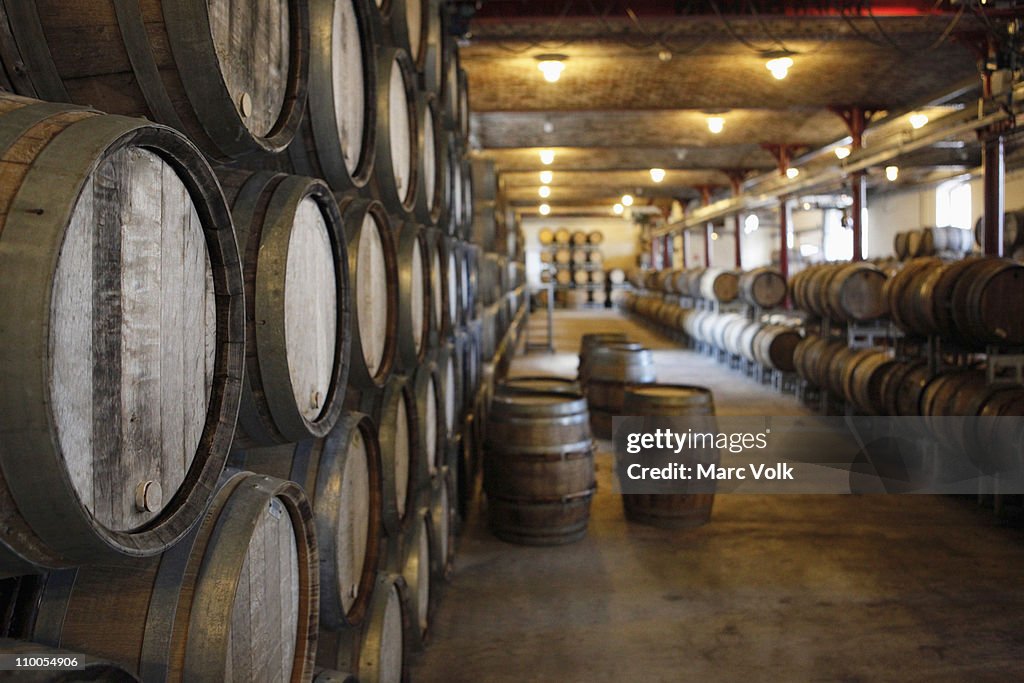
column 672, row 401
column 538, row 467
column 610, row 369
column 588, row 343
column 295, row 268
column 235, row 600
column 122, row 343
column 121, row 57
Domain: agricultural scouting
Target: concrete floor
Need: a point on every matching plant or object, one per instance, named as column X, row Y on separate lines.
column 779, row 588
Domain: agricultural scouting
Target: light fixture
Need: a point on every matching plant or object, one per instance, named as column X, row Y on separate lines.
column 792, row 172
column 618, row 209
column 657, row 174
column 842, row 152
column 551, row 65
column 544, row 191
column 547, row 156
column 779, row 66
column 918, row 120
column 807, row 206
column 544, row 209
column 751, row 223
column 627, row 200
column 714, row 236
column 892, row 172
column 716, row 124
column 665, row 56
column 546, row 177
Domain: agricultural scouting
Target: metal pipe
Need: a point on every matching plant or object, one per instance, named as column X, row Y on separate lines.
column 994, row 184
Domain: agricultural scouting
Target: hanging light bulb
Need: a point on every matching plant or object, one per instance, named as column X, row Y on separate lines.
column 657, row 174
column 842, row 152
column 714, row 236
column 779, row 66
column 792, row 172
column 544, row 191
column 547, row 156
column 551, row 66
column 546, row 177
column 627, row 200
column 716, row 124
column 918, row 121
column 544, row 209
column 892, row 172
column 618, row 209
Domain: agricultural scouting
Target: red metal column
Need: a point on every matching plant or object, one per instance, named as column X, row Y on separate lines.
column 735, row 180
column 857, row 119
column 686, row 248
column 709, row 228
column 666, row 252
column 784, row 240
column 993, row 161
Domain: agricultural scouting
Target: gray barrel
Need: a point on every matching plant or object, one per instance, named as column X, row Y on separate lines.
column 414, row 295
column 672, row 510
column 610, row 369
column 189, row 614
column 431, row 196
column 774, row 345
column 373, row 269
column 588, row 343
column 396, row 165
column 538, row 467
column 336, row 140
column 416, row 570
column 428, row 388
column 180, row 65
column 399, row 437
column 122, row 336
column 441, row 499
column 297, row 287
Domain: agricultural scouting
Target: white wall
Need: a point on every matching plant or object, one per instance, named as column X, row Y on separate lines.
column 619, row 248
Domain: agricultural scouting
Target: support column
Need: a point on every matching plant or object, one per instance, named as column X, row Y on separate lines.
column 857, row 119
column 709, row 228
column 994, row 184
column 784, row 240
column 736, row 177
column 666, row 252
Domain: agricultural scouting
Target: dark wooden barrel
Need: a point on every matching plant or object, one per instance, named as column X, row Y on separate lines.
column 854, row 293
column 450, row 95
column 538, row 467
column 670, row 510
column 415, row 568
column 441, row 499
column 988, row 302
column 903, row 387
column 336, row 139
column 428, row 389
column 900, row 246
column 86, row 667
column 609, row 369
column 344, row 477
column 235, row 600
column 179, row 65
column 399, row 437
column 295, row 269
column 763, row 287
column 373, row 271
column 587, row 344
column 904, row 288
column 1013, row 231
column 414, row 296
column 773, row 347
column 432, row 194
column 866, row 381
column 450, row 367
column 396, row 166
column 915, row 244
column 122, row 343
column 719, row 284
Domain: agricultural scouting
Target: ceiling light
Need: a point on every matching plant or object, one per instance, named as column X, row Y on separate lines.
column 549, row 127
column 544, row 209
column 716, row 124
column 779, row 66
column 918, row 120
column 892, row 172
column 627, row 200
column 547, row 156
column 714, row 236
column 544, row 191
column 665, row 55
column 842, row 152
column 657, row 174
column 551, row 66
column 618, row 209
column 546, row 177
column 792, row 172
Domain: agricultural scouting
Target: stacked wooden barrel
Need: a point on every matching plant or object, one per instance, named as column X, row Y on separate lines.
column 945, row 240
column 274, row 271
column 610, row 367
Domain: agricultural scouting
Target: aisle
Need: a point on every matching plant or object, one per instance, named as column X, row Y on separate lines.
column 781, row 588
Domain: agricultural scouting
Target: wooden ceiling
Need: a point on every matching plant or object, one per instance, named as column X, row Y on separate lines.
column 641, row 78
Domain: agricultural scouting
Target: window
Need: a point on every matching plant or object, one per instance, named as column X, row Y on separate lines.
column 953, row 204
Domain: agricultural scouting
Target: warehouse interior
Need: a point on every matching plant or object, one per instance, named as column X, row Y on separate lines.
column 321, row 318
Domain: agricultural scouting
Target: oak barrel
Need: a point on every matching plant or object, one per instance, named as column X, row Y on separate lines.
column 763, row 287
column 414, row 296
column 396, row 165
column 399, row 437
column 432, row 195
column 416, row 565
column 295, row 268
column 854, row 292
column 587, row 344
column 672, row 510
column 609, row 369
column 538, row 467
column 773, row 346
column 719, row 284
column 178, row 64
column 236, row 600
column 121, row 336
column 373, row 269
column 429, row 393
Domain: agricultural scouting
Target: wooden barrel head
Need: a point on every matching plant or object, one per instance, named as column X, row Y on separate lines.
column 257, row 80
column 398, row 135
column 383, row 652
column 133, row 336
column 399, row 446
column 414, row 295
column 429, row 411
column 430, row 168
column 437, row 285
column 349, row 83
column 417, row 575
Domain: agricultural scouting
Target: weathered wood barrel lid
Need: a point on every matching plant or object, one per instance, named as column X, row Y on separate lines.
column 432, row 194
column 414, row 295
column 342, row 108
column 538, row 383
column 297, row 305
column 442, row 552
column 347, row 506
column 122, row 334
column 438, row 284
column 384, row 647
column 397, row 131
column 416, row 570
column 430, row 412
column 373, row 270
column 667, row 399
column 399, row 437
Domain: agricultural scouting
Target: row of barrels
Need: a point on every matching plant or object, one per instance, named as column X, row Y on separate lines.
column 947, row 240
column 761, row 287
column 360, row 95
column 842, row 292
column 547, row 236
column 580, row 276
column 1013, row 234
column 578, row 256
